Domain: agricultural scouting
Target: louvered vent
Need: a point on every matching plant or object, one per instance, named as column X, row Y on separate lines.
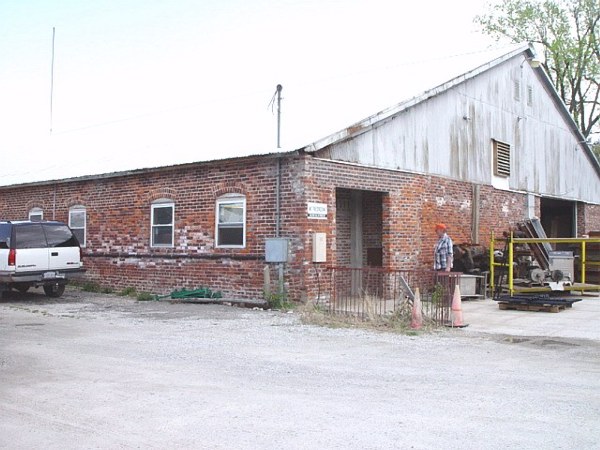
column 501, row 159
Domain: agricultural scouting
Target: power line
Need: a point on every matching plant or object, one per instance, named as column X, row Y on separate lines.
column 259, row 92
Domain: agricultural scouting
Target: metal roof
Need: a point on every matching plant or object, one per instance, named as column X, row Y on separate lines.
column 377, row 119
column 125, row 173
column 363, row 125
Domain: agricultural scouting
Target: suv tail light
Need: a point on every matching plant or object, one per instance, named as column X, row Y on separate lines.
column 12, row 257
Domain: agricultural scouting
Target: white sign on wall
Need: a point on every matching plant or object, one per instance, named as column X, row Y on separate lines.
column 316, row 210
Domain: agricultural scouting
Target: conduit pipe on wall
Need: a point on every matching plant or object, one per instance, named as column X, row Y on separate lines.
column 278, row 199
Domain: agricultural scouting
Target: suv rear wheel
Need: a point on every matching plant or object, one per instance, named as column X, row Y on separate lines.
column 54, row 290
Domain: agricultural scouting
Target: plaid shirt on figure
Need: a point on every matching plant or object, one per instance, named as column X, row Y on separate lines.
column 443, row 248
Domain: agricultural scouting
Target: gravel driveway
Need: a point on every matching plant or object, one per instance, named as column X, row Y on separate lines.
column 100, row 371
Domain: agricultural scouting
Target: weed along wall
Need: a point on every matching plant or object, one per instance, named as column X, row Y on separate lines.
column 205, row 224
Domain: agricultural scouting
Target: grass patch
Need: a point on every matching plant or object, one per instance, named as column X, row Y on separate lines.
column 395, row 322
column 91, row 286
column 145, row 297
column 128, row 292
column 279, row 301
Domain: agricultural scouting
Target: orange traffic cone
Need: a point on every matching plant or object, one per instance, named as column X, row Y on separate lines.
column 457, row 315
column 417, row 314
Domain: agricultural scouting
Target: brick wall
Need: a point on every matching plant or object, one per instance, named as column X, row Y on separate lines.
column 119, row 255
column 410, row 205
column 413, row 204
column 588, row 218
column 118, row 251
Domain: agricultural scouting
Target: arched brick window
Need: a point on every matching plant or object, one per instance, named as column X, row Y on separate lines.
column 36, row 214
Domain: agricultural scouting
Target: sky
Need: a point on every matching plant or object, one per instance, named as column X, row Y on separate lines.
column 145, row 83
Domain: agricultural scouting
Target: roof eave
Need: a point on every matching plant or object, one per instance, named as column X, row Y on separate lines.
column 564, row 111
column 375, row 119
column 148, row 170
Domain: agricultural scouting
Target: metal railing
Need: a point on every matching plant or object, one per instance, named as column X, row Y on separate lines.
column 506, row 267
column 376, row 292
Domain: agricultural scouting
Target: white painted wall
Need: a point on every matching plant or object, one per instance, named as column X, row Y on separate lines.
column 451, row 135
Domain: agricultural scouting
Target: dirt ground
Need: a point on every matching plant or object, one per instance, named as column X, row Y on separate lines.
column 100, row 371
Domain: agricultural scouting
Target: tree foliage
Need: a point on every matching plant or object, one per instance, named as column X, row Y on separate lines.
column 568, row 31
column 596, row 150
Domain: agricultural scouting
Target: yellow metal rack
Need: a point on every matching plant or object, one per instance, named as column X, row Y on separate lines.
column 581, row 286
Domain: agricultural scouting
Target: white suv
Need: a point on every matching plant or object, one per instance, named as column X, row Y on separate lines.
column 38, row 254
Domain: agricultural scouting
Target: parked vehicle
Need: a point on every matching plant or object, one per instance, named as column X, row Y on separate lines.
column 36, row 254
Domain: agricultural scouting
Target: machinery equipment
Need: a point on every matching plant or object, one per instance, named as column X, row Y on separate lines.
column 529, row 263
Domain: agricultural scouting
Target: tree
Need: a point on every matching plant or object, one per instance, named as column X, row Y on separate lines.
column 568, row 31
column 596, row 150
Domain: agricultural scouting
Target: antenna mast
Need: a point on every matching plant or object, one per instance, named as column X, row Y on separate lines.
column 279, row 88
column 277, row 96
column 52, row 78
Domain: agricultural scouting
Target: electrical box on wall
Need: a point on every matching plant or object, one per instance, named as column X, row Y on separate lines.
column 277, row 250
column 319, row 247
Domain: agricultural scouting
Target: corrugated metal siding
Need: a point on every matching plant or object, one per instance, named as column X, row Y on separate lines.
column 451, row 135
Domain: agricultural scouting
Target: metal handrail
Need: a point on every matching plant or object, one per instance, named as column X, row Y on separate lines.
column 511, row 241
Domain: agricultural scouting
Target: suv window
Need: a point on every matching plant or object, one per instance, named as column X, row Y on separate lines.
column 5, row 230
column 29, row 236
column 60, row 236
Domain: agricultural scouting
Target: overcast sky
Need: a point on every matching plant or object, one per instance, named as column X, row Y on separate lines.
column 140, row 83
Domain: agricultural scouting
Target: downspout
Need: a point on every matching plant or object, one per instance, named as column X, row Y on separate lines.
column 278, row 224
column 278, row 199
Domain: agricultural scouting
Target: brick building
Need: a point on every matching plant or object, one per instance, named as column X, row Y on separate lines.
column 481, row 152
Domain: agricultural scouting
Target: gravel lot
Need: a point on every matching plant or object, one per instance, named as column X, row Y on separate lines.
column 100, row 371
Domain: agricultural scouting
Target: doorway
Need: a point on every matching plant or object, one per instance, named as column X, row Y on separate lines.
column 359, row 228
column 558, row 217
column 359, row 243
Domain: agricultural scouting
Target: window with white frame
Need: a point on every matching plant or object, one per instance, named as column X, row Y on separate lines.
column 163, row 223
column 78, row 222
column 36, row 214
column 231, row 221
